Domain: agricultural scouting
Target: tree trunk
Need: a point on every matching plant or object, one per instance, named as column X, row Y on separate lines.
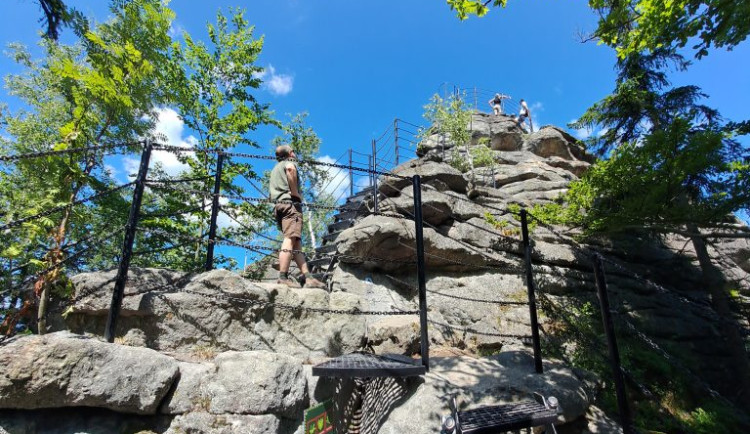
column 310, row 228
column 717, row 286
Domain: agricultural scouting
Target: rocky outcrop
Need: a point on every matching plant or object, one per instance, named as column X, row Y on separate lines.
column 218, row 311
column 65, row 370
column 235, row 392
column 222, row 354
column 506, row 378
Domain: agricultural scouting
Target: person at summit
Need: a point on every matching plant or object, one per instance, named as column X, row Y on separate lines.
column 284, row 189
column 497, row 103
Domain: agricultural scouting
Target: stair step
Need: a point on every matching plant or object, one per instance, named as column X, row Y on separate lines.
column 347, row 215
column 320, row 263
column 367, row 191
column 340, row 226
column 501, row 418
column 331, row 237
column 326, row 249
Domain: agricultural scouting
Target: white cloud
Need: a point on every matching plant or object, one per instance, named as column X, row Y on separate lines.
column 169, row 127
column 176, row 29
column 277, row 84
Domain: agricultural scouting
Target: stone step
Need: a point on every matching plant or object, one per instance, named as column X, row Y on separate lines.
column 367, row 191
column 331, row 236
column 347, row 215
column 340, row 226
column 326, row 249
column 320, row 263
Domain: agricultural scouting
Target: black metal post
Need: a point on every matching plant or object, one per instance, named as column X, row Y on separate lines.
column 127, row 245
column 614, row 353
column 532, row 294
column 214, row 213
column 369, row 169
column 351, row 175
column 395, row 133
column 418, row 233
column 374, row 175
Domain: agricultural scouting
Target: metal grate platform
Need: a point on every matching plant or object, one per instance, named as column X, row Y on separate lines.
column 500, row 418
column 369, row 365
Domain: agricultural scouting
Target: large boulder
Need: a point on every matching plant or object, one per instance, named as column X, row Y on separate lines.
column 440, row 175
column 392, row 243
column 506, row 378
column 66, row 370
column 258, row 382
column 552, row 141
column 438, row 207
column 218, row 311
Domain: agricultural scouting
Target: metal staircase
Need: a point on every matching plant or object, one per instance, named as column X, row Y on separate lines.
column 324, row 260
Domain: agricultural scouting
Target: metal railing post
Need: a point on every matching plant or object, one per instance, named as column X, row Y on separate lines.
column 351, row 175
column 374, row 175
column 395, row 133
column 369, row 171
column 418, row 233
column 214, row 213
column 614, row 353
column 127, row 245
column 532, row 294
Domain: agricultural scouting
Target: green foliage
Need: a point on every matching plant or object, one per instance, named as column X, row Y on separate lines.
column 482, row 156
column 635, row 26
column 458, row 161
column 101, row 90
column 451, row 117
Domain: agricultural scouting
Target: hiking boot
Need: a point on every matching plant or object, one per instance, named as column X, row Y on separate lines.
column 314, row 283
column 288, row 282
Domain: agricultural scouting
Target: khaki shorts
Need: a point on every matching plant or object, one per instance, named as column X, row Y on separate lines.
column 289, row 219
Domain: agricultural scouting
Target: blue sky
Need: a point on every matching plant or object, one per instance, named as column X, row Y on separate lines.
column 355, row 66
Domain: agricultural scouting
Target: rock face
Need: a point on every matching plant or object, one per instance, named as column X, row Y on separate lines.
column 217, row 353
column 503, row 379
column 237, row 392
column 65, row 370
column 218, row 311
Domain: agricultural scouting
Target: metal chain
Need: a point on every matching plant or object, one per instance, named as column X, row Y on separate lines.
column 69, row 258
column 257, row 200
column 179, row 149
column 8, row 158
column 179, row 180
column 64, row 207
column 458, row 297
column 225, row 241
column 477, row 332
column 175, row 213
column 675, row 362
column 268, row 304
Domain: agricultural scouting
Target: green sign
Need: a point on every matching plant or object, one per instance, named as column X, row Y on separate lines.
column 318, row 418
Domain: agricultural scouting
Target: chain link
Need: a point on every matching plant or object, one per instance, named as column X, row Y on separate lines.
column 30, row 155
column 180, row 149
column 64, row 207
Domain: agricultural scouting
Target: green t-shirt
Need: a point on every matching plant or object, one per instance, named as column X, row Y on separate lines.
column 279, row 184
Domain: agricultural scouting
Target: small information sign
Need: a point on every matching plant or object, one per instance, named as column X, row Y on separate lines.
column 318, row 419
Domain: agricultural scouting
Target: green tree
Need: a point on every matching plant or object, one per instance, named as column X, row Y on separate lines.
column 683, row 166
column 634, row 26
column 214, row 84
column 451, row 117
column 102, row 90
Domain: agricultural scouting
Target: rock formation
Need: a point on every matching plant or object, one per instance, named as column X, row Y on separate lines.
column 214, row 352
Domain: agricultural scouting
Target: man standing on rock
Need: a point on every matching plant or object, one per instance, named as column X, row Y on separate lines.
column 284, row 190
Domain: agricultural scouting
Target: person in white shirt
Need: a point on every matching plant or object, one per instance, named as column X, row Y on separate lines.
column 524, row 114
